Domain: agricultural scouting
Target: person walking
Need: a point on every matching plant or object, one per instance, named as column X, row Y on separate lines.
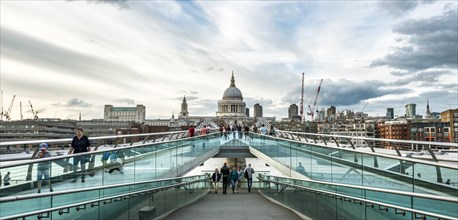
column 247, row 132
column 216, row 177
column 263, row 130
column 249, row 171
column 6, row 179
column 233, row 177
column 272, row 131
column 240, row 175
column 191, row 131
column 80, row 144
column 203, row 130
column 225, row 175
column 43, row 167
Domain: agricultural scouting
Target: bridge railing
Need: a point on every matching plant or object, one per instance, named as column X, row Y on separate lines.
column 139, row 200
column 145, row 157
column 324, row 200
column 329, row 162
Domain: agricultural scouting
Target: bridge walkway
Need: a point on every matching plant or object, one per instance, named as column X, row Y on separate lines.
column 243, row 205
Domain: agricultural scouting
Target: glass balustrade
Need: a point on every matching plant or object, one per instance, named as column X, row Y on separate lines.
column 109, row 165
column 344, row 165
column 322, row 200
column 155, row 198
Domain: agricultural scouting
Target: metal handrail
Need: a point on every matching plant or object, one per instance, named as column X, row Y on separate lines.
column 96, row 202
column 369, row 153
column 140, row 144
column 403, row 193
column 378, row 139
column 360, row 200
column 6, row 143
column 61, row 192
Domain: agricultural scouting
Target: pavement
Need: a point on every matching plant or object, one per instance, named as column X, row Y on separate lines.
column 243, row 205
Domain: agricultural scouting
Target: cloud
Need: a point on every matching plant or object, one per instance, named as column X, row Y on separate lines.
column 121, row 4
column 74, row 102
column 424, row 77
column 397, row 8
column 38, row 53
column 341, row 92
column 126, row 100
column 431, row 43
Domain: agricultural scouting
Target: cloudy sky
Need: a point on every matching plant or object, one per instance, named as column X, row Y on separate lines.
column 68, row 57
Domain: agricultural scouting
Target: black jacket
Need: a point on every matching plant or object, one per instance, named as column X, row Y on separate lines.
column 225, row 171
column 216, row 177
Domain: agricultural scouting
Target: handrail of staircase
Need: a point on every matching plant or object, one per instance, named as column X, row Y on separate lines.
column 98, row 201
column 404, row 193
column 368, row 202
column 396, row 157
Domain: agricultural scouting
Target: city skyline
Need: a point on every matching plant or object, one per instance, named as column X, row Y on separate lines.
column 68, row 57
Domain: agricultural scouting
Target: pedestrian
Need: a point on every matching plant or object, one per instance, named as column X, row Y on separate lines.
column 272, row 131
column 80, row 144
column 249, row 171
column 240, row 175
column 225, row 174
column 255, row 129
column 247, row 131
column 300, row 169
column 191, row 131
column 203, row 130
column 233, row 177
column 221, row 130
column 216, row 177
column 43, row 168
column 6, row 179
column 263, row 130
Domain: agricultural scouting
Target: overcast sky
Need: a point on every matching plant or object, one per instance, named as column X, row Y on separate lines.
column 68, row 57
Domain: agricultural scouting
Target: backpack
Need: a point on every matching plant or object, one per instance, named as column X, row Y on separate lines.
column 246, row 174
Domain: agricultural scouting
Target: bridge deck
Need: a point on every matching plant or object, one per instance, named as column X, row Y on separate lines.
column 243, row 205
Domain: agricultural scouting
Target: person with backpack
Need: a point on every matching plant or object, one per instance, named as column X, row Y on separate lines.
column 249, row 171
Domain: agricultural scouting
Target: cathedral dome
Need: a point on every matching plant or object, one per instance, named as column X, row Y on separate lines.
column 232, row 93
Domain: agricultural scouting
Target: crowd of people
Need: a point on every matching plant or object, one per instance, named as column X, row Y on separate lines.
column 232, row 177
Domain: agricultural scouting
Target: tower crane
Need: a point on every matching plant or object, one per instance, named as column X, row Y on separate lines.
column 399, row 109
column 302, row 99
column 8, row 112
column 362, row 112
column 34, row 113
column 20, row 108
column 312, row 108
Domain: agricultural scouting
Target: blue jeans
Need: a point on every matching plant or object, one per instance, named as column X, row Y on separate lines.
column 250, row 183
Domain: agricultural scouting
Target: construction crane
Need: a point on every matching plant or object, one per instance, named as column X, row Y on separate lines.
column 312, row 109
column 34, row 113
column 8, row 112
column 399, row 109
column 20, row 108
column 302, row 99
column 362, row 111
